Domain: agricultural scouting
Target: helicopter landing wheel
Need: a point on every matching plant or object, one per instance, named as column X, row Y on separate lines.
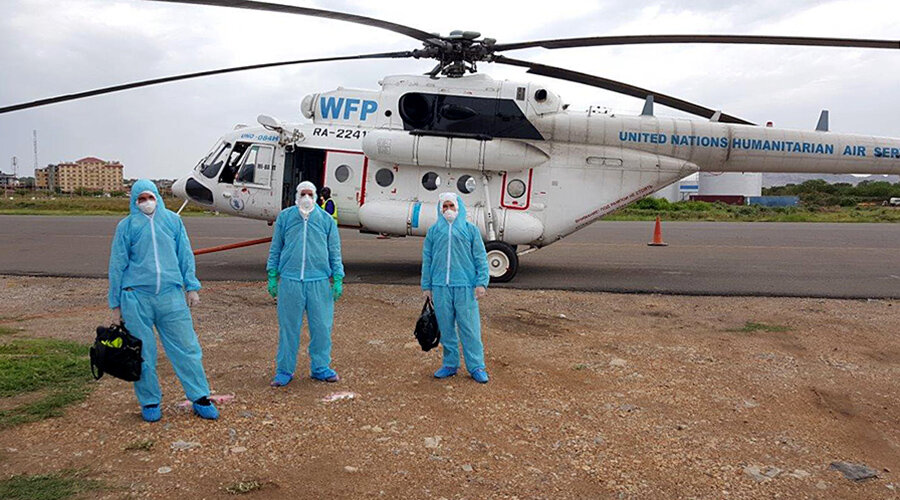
column 503, row 263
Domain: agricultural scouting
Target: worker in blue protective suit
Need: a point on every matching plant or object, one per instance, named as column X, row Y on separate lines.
column 152, row 283
column 305, row 253
column 455, row 276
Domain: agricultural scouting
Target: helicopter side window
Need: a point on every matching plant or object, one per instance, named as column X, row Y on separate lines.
column 466, row 184
column 233, row 163
column 431, row 181
column 384, row 177
column 215, row 160
column 256, row 167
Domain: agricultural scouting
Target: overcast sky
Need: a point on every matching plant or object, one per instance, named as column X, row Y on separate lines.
column 58, row 47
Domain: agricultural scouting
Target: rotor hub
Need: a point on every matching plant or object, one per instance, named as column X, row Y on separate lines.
column 457, row 54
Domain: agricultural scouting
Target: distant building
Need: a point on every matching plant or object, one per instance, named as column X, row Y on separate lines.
column 87, row 173
column 164, row 186
column 679, row 190
column 8, row 181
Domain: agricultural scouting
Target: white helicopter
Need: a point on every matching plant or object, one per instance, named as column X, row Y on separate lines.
column 532, row 171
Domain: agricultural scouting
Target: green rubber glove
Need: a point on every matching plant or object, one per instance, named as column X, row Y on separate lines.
column 338, row 289
column 273, row 283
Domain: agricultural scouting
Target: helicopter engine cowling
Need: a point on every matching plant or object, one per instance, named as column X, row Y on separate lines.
column 496, row 155
column 414, row 218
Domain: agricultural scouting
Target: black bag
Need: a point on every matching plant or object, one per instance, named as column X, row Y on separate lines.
column 116, row 352
column 427, row 332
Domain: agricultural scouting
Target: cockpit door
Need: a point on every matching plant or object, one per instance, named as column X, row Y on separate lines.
column 253, row 179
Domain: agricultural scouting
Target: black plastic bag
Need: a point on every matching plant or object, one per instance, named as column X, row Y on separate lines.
column 427, row 332
column 116, row 352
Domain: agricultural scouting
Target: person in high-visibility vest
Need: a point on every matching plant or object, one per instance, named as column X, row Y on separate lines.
column 327, row 203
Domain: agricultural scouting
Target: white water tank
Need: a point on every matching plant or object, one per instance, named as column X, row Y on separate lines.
column 679, row 190
column 730, row 184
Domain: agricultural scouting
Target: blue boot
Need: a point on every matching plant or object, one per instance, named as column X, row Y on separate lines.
column 207, row 411
column 151, row 413
column 480, row 376
column 326, row 375
column 281, row 379
column 445, row 371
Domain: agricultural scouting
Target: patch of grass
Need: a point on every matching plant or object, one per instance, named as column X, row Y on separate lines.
column 750, row 326
column 56, row 367
column 145, row 445
column 43, row 204
column 579, row 367
column 5, row 330
column 56, row 486
column 244, row 487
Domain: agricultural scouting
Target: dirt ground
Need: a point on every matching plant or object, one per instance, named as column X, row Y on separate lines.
column 591, row 396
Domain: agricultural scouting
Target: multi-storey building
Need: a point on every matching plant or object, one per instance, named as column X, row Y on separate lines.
column 87, row 173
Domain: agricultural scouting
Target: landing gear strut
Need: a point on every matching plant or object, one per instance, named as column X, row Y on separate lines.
column 503, row 263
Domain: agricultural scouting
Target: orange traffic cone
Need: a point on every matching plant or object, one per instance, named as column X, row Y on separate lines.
column 657, row 236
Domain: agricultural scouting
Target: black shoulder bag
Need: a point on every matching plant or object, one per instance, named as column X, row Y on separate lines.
column 116, row 352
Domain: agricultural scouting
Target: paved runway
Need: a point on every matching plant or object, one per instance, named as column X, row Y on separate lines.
column 704, row 258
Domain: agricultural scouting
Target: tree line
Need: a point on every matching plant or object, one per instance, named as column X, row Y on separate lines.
column 819, row 193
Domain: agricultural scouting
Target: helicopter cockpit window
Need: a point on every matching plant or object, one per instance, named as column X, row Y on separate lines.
column 431, row 181
column 215, row 160
column 256, row 167
column 233, row 163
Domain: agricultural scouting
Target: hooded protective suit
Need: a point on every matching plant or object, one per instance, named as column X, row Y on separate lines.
column 454, row 263
column 305, row 253
column 151, row 265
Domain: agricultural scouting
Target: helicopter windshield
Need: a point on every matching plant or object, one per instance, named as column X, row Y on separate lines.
column 211, row 165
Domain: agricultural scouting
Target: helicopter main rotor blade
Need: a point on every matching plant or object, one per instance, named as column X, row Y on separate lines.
column 175, row 78
column 620, row 87
column 305, row 11
column 593, row 41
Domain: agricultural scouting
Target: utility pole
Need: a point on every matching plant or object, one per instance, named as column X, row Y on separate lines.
column 34, row 135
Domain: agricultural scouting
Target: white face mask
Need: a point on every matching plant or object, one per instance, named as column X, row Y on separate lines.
column 148, row 207
column 450, row 214
column 306, row 204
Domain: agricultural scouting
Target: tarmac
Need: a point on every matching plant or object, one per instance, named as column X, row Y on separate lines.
column 703, row 258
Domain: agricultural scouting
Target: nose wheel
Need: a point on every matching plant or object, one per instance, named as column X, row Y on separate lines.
column 503, row 263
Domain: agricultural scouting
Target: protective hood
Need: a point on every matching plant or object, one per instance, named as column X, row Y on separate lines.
column 453, row 255
column 150, row 254
column 305, row 185
column 460, row 207
column 138, row 188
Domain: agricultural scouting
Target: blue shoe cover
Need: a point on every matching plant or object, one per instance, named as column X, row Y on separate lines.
column 445, row 371
column 209, row 412
column 326, row 375
column 281, row 379
column 480, row 376
column 151, row 413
